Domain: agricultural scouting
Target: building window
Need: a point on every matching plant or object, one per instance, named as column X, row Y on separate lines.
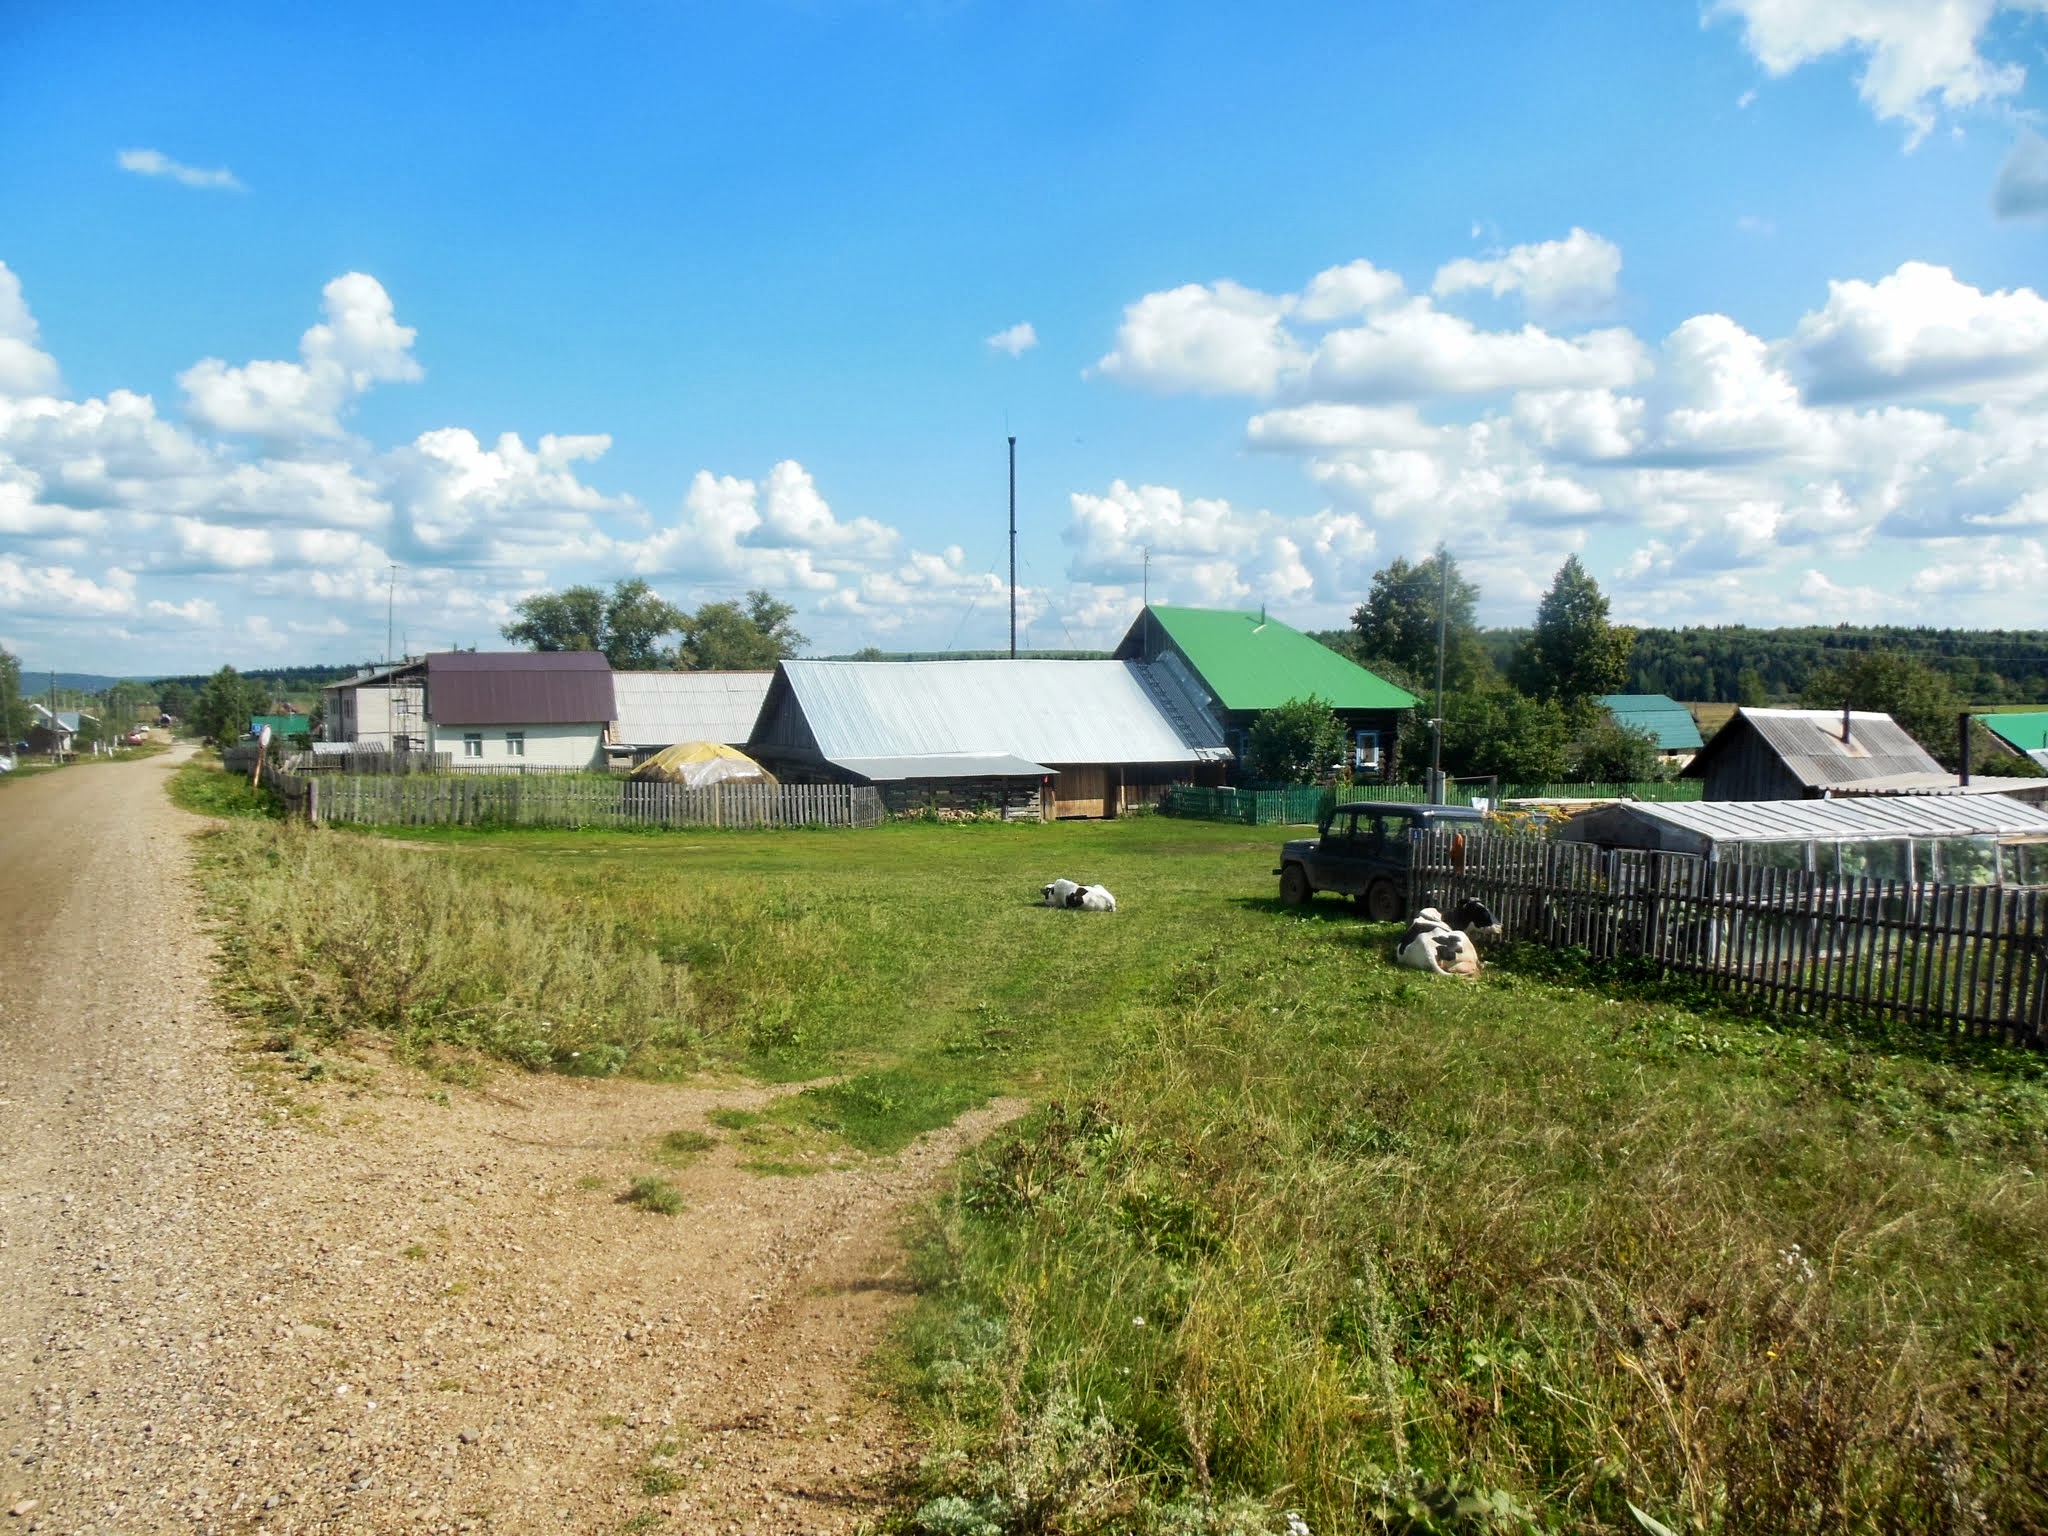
column 1365, row 752
column 473, row 744
column 515, row 743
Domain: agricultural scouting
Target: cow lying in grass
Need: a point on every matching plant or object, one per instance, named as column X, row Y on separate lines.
column 1447, row 948
column 1088, row 898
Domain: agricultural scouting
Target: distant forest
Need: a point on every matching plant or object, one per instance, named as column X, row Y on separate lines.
column 1736, row 665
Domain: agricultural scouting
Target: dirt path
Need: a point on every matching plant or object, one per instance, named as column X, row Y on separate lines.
column 370, row 1303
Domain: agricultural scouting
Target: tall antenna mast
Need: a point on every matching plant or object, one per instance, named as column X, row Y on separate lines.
column 1443, row 610
column 1013, row 549
column 390, row 609
column 1148, row 575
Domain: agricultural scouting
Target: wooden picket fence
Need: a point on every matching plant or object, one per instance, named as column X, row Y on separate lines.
column 542, row 801
column 1971, row 957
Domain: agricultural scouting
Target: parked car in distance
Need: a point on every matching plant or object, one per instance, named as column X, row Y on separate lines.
column 1362, row 853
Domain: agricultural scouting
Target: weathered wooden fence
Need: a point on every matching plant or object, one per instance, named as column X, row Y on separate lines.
column 387, row 764
column 1295, row 805
column 464, row 799
column 1974, row 958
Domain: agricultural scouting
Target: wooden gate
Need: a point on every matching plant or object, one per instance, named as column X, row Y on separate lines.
column 1081, row 791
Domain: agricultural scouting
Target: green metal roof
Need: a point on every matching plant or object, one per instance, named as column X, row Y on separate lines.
column 2026, row 730
column 282, row 725
column 1669, row 723
column 1254, row 663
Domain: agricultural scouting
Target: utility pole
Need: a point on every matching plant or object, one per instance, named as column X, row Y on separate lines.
column 1013, row 549
column 1436, row 744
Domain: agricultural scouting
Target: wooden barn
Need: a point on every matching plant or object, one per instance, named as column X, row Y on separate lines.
column 1028, row 738
column 1804, row 754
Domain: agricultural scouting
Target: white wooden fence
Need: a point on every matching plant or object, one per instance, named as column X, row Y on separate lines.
column 542, row 801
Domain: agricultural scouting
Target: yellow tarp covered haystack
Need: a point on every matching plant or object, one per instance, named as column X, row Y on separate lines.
column 702, row 763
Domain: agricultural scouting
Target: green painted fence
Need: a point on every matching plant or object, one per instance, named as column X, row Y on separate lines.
column 1296, row 805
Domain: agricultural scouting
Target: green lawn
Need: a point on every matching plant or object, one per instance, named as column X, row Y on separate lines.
column 1290, row 1229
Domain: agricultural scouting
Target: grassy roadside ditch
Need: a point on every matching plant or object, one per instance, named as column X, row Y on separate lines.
column 1291, row 1230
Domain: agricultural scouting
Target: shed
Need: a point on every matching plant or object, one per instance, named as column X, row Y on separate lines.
column 546, row 709
column 1247, row 663
column 1050, row 738
column 660, row 709
column 283, row 727
column 1795, row 754
column 1971, row 840
column 1668, row 723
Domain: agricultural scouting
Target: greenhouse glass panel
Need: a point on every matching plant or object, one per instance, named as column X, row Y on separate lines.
column 1926, row 867
column 1969, row 861
column 1874, row 861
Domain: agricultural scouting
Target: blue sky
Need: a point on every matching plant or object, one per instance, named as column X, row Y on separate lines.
column 1737, row 301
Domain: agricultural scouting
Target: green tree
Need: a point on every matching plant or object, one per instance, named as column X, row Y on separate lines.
column 225, row 705
column 1573, row 653
column 176, row 700
column 1396, row 624
column 1295, row 743
column 1607, row 752
column 14, row 710
column 627, row 624
column 1749, row 689
column 1495, row 729
column 734, row 637
column 1918, row 697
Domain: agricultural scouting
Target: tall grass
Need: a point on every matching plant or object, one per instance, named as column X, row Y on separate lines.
column 1424, row 1257
column 1291, row 1229
column 334, row 934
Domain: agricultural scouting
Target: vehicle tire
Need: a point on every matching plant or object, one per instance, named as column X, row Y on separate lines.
column 1294, row 886
column 1383, row 902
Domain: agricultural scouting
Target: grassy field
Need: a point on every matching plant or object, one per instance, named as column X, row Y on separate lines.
column 1290, row 1229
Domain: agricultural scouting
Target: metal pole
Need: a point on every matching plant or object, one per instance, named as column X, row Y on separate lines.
column 1013, row 549
column 390, row 610
column 1436, row 746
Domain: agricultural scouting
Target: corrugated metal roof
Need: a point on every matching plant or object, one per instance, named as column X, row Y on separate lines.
column 1865, row 818
column 1943, row 784
column 1252, row 661
column 1039, row 711
column 2025, row 730
column 1809, row 742
column 519, row 688
column 660, row 709
column 1669, row 723
column 955, row 765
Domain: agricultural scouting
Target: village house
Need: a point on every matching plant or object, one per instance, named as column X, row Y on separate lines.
column 484, row 709
column 1246, row 663
column 380, row 709
column 1026, row 737
column 1668, row 723
column 1813, row 754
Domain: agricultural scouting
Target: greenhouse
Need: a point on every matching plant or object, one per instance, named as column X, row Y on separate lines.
column 1973, row 840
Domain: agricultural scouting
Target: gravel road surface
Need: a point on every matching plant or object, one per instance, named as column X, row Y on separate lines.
column 231, row 1300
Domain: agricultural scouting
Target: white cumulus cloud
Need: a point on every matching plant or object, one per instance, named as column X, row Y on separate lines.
column 1919, row 56
column 1922, row 331
column 1016, row 341
column 1577, row 274
column 358, row 343
column 25, row 369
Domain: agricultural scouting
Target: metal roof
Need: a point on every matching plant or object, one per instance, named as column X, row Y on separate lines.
column 1945, row 784
column 953, row 765
column 1250, row 661
column 1038, row 711
column 519, row 688
column 1669, row 723
column 1863, row 819
column 2025, row 730
column 660, row 709
column 1809, row 742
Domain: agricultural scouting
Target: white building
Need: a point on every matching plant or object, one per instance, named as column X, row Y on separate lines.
column 519, row 709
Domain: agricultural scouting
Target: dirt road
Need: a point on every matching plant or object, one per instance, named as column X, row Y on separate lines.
column 232, row 1300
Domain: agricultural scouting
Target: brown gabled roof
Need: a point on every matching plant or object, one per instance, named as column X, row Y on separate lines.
column 520, row 688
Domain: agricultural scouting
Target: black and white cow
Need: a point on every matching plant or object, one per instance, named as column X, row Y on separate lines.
column 1447, row 948
column 1085, row 898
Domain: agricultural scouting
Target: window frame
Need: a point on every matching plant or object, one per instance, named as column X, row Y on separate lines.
column 472, row 744
column 515, row 743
